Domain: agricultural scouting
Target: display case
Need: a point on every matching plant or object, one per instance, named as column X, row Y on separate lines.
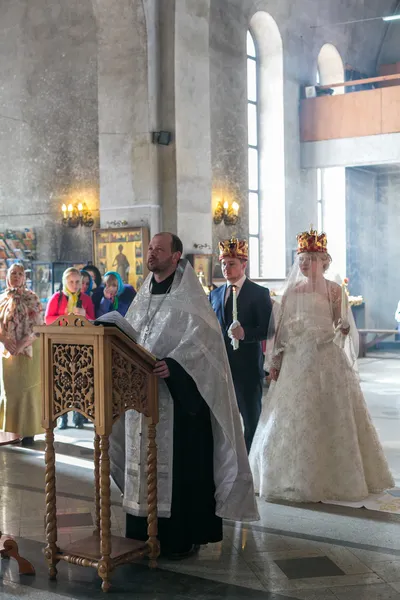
column 16, row 247
column 42, row 281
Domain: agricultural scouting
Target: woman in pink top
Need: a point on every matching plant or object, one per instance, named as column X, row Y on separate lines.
column 70, row 300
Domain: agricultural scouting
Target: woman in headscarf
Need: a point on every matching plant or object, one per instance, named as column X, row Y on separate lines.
column 20, row 400
column 95, row 274
column 70, row 299
column 87, row 283
column 116, row 295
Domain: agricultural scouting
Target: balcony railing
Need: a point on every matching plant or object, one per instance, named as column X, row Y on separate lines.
column 355, row 114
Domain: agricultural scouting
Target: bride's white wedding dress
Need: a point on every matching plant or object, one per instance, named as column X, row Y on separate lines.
column 315, row 440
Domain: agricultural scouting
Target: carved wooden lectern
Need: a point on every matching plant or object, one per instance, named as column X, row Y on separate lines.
column 101, row 373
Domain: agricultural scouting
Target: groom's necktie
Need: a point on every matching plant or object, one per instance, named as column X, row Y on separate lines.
column 229, row 307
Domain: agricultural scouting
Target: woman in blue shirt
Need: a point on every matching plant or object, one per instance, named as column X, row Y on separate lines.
column 114, row 294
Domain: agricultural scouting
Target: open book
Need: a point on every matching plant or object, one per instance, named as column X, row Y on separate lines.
column 117, row 320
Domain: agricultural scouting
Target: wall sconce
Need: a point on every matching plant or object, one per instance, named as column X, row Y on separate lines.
column 228, row 213
column 77, row 214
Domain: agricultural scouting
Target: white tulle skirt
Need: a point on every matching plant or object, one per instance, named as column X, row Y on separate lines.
column 315, row 440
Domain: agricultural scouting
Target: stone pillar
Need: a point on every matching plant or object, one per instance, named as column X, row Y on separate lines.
column 185, row 109
column 127, row 63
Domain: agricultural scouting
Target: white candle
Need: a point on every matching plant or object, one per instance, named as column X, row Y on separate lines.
column 344, row 305
column 234, row 303
column 234, row 313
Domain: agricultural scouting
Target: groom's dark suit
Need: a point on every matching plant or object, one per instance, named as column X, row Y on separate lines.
column 254, row 311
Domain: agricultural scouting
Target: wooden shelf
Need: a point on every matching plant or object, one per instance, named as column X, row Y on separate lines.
column 89, row 548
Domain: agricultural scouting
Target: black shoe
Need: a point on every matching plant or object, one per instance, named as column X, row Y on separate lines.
column 27, row 441
column 62, row 426
column 79, row 426
column 182, row 555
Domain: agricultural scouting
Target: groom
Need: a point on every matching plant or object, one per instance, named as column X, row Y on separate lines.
column 254, row 310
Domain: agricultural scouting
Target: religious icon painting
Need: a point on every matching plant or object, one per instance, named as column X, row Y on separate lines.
column 202, row 265
column 122, row 250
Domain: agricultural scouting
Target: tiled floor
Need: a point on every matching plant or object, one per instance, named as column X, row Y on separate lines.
column 310, row 552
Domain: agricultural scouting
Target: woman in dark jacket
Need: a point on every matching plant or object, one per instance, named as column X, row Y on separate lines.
column 95, row 274
column 116, row 295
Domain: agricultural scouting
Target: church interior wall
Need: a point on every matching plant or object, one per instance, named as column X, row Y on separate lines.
column 80, row 96
column 358, row 45
column 372, row 240
column 127, row 112
column 48, row 122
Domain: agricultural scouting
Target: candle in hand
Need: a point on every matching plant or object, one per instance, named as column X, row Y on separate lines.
column 234, row 303
column 234, row 313
column 344, row 304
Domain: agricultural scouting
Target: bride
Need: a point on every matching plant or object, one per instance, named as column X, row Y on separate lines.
column 315, row 440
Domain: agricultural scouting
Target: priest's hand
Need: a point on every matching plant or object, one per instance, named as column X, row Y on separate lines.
column 161, row 369
column 79, row 311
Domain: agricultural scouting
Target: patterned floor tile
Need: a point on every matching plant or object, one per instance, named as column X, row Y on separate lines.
column 367, row 592
column 388, row 571
column 300, row 568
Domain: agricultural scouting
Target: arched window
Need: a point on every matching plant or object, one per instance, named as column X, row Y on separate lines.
column 266, row 148
column 330, row 67
column 331, row 183
column 253, row 157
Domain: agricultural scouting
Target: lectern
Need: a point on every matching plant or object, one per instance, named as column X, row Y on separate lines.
column 100, row 372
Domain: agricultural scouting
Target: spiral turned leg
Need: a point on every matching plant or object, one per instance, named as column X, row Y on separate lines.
column 152, row 540
column 97, row 481
column 51, row 509
column 104, row 567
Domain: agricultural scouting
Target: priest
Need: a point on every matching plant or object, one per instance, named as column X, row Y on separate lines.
column 203, row 470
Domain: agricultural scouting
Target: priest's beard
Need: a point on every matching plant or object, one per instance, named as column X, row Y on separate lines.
column 161, row 267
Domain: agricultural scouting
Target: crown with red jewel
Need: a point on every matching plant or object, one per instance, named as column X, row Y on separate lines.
column 234, row 248
column 310, row 241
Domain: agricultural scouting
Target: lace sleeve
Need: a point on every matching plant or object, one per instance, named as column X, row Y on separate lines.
column 336, row 299
column 276, row 361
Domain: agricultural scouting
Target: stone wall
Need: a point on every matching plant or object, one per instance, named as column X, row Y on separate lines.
column 83, row 85
column 373, row 252
column 48, row 120
column 387, row 247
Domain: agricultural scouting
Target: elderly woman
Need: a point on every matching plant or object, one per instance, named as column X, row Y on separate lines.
column 20, row 401
column 114, row 294
column 70, row 299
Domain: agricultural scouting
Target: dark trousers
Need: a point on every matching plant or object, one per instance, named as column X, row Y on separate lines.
column 249, row 395
column 77, row 419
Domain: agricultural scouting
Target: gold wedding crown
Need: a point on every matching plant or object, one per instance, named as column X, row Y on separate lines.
column 234, row 248
column 311, row 241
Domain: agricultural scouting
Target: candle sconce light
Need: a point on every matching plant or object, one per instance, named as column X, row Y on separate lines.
column 228, row 212
column 76, row 214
